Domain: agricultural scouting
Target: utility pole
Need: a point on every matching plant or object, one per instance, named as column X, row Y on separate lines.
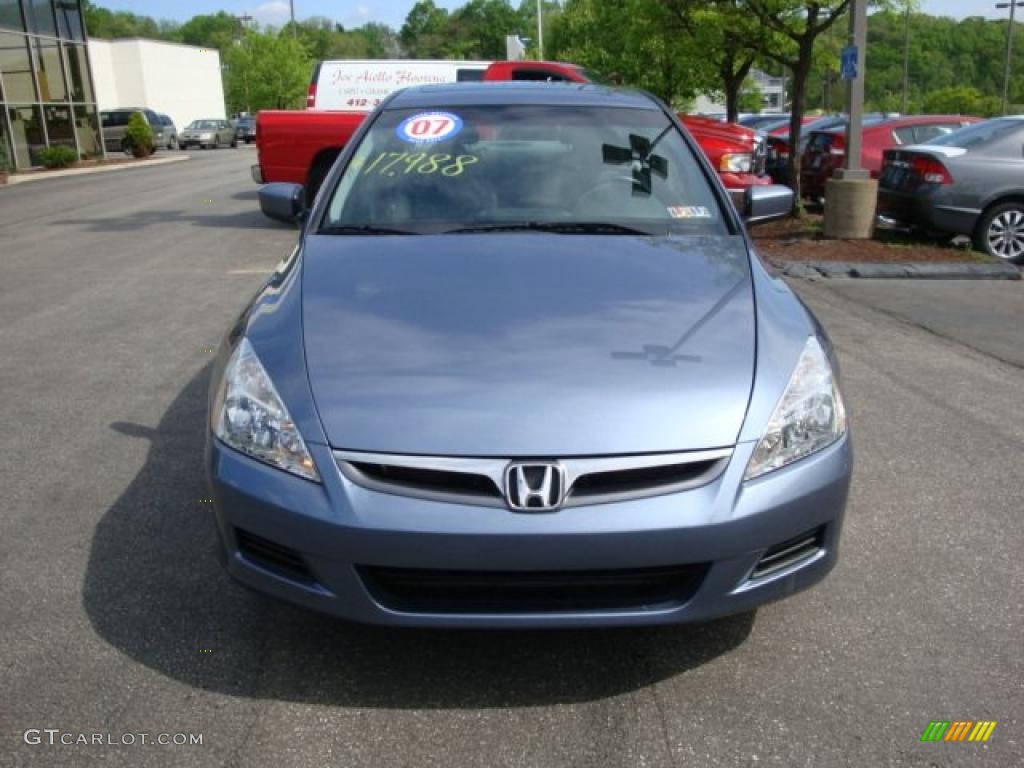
column 1012, row 5
column 855, row 92
column 906, row 57
column 851, row 194
column 540, row 29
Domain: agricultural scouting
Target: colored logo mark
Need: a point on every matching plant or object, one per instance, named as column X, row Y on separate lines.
column 958, row 730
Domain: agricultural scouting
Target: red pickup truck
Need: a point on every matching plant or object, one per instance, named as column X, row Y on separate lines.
column 300, row 146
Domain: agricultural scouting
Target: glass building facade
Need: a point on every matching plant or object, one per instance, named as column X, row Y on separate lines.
column 47, row 96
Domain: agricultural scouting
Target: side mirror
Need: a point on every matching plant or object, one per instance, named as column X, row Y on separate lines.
column 283, row 202
column 766, row 203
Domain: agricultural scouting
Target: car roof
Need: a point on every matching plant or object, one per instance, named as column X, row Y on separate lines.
column 520, row 92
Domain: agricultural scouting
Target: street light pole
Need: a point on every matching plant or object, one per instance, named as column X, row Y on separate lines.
column 851, row 194
column 855, row 92
column 906, row 56
column 540, row 30
column 1012, row 5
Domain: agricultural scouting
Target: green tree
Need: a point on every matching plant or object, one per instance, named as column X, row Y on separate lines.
column 961, row 100
column 138, row 136
column 423, row 35
column 797, row 25
column 266, row 70
column 478, row 29
column 635, row 40
column 104, row 23
column 218, row 30
column 751, row 98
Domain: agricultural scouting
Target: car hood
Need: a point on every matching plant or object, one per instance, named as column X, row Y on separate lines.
column 528, row 344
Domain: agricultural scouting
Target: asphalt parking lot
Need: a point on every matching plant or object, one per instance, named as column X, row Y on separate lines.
column 115, row 616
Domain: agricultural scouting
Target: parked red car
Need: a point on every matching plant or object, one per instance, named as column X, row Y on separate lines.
column 300, row 146
column 826, row 150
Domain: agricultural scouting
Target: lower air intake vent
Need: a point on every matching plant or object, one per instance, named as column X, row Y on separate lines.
column 429, row 591
column 789, row 553
column 272, row 556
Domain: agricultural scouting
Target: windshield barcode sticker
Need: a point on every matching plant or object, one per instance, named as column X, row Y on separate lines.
column 689, row 212
column 429, row 127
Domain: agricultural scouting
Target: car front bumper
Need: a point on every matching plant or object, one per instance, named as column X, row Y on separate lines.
column 319, row 545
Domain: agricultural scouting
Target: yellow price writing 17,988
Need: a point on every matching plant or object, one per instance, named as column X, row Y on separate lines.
column 395, row 163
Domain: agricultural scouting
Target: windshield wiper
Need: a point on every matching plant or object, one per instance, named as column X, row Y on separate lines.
column 362, row 229
column 559, row 227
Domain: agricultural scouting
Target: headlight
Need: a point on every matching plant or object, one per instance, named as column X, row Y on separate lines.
column 249, row 416
column 809, row 416
column 739, row 163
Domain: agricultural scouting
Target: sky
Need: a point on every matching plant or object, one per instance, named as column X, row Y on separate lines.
column 352, row 13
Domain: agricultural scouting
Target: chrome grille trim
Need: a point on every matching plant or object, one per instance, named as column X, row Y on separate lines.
column 493, row 469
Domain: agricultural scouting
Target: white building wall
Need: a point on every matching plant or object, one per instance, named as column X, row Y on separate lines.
column 177, row 80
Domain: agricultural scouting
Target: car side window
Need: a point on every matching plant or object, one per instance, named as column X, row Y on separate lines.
column 904, row 135
column 928, row 132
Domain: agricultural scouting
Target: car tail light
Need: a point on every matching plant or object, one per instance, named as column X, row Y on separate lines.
column 837, row 146
column 311, row 96
column 931, row 170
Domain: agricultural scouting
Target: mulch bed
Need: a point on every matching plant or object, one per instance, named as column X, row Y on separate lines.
column 802, row 240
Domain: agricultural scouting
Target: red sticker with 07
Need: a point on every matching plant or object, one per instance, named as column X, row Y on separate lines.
column 429, row 127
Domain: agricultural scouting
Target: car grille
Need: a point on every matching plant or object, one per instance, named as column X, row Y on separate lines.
column 412, row 590
column 480, row 481
column 760, row 155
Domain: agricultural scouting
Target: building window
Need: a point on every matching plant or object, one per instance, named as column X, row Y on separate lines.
column 69, row 19
column 78, row 72
column 27, row 133
column 39, row 15
column 60, row 128
column 15, row 68
column 6, row 144
column 87, row 128
column 10, row 15
column 52, row 86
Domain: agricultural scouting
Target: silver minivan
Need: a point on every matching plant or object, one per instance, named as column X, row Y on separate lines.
column 115, row 123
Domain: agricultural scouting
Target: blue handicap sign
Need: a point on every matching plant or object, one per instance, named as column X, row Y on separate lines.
column 848, row 63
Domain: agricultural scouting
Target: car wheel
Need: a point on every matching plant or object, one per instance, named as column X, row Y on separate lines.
column 234, row 143
column 1001, row 233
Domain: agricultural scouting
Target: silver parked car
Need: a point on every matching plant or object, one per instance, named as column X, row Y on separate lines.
column 169, row 132
column 969, row 182
column 523, row 369
column 208, row 134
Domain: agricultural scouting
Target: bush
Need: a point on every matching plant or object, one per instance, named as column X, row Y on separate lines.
column 138, row 136
column 5, row 161
column 58, row 156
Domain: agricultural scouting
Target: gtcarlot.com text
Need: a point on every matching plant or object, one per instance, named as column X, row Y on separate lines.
column 56, row 737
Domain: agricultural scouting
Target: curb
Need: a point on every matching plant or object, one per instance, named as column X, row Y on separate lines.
column 70, row 172
column 900, row 270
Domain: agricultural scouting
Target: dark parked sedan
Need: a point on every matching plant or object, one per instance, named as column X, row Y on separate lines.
column 523, row 369
column 967, row 183
column 245, row 129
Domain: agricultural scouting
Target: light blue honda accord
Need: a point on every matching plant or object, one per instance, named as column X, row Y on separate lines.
column 523, row 369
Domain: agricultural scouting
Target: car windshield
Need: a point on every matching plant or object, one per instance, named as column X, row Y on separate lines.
column 979, row 133
column 203, row 125
column 565, row 169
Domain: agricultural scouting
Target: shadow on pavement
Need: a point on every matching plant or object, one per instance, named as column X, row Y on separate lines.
column 154, row 589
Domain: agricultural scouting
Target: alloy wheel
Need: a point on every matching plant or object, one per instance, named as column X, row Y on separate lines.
column 1006, row 234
